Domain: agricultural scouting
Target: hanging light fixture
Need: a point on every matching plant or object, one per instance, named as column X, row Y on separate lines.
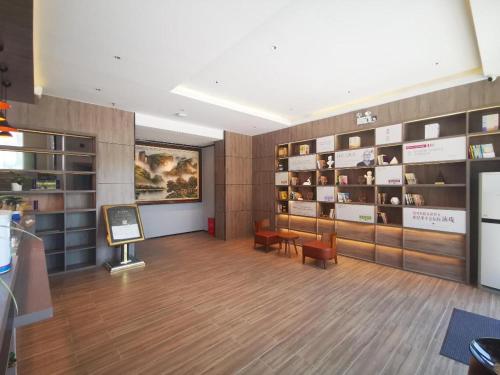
column 5, row 127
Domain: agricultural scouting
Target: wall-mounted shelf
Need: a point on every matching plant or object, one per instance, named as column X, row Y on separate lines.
column 66, row 216
column 393, row 242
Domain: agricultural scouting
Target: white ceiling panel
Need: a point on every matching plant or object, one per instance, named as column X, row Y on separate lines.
column 330, row 56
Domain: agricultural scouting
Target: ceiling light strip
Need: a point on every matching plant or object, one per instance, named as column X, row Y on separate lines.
column 229, row 104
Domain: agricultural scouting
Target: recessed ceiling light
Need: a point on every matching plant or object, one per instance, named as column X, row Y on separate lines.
column 217, row 82
column 436, row 63
column 98, row 89
column 274, row 47
column 116, row 57
column 348, row 91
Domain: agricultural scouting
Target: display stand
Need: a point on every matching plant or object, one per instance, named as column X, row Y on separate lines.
column 126, row 261
column 124, row 226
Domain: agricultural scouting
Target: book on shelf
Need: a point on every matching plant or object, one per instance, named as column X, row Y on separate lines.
column 343, row 180
column 414, row 199
column 411, row 179
column 382, row 217
column 490, row 122
column 282, row 151
column 482, row 151
column 354, row 142
column 432, row 130
column 381, row 198
column 283, row 195
column 304, row 149
column 344, row 197
column 382, row 159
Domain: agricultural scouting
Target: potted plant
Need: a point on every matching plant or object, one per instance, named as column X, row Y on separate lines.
column 17, row 181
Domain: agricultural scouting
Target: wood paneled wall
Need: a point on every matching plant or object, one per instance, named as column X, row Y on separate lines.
column 220, row 190
column 460, row 98
column 233, row 186
column 114, row 131
column 238, row 185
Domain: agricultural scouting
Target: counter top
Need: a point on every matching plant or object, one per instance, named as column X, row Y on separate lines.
column 30, row 283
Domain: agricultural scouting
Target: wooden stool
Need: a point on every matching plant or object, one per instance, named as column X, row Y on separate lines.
column 286, row 238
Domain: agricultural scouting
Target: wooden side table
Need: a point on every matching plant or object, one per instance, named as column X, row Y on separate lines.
column 287, row 238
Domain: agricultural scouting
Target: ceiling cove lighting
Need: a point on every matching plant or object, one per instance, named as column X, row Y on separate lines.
column 203, row 97
column 177, row 126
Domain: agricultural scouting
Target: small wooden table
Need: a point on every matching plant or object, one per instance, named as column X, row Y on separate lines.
column 287, row 238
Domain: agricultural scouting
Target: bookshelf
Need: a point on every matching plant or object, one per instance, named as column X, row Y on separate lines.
column 59, row 172
column 431, row 232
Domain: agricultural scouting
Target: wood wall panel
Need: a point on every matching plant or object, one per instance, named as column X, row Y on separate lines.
column 114, row 131
column 238, row 185
column 220, row 190
column 446, row 267
column 113, row 161
column 390, row 236
column 355, row 231
column 438, row 243
column 326, row 226
column 356, row 249
column 16, row 36
column 390, row 256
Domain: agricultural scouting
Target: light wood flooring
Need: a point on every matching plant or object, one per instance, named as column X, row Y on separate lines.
column 204, row 306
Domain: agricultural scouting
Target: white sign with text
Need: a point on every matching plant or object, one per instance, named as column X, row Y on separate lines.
column 303, row 208
column 281, row 178
column 435, row 150
column 325, row 144
column 434, row 219
column 389, row 175
column 301, row 163
column 389, row 134
column 360, row 157
column 355, row 212
column 325, row 193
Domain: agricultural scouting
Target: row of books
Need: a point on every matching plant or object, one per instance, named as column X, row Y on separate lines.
column 381, row 198
column 344, row 197
column 414, row 199
column 481, row 151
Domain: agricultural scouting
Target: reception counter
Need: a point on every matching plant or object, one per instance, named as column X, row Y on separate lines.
column 29, row 281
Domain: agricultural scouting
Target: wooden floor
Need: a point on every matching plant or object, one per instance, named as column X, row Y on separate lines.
column 213, row 307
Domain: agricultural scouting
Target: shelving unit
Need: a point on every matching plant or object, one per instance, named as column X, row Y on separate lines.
column 434, row 237
column 66, row 215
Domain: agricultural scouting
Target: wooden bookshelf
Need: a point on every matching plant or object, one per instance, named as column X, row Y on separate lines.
column 446, row 181
column 66, row 212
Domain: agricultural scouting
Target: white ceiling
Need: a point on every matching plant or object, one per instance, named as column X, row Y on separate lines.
column 146, row 133
column 331, row 56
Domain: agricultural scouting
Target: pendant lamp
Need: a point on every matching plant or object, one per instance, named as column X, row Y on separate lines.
column 5, row 127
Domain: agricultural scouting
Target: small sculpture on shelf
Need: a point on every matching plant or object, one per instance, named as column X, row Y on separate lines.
column 369, row 178
column 307, row 182
column 323, row 180
column 440, row 179
column 330, row 161
column 395, row 201
column 394, row 160
column 295, row 180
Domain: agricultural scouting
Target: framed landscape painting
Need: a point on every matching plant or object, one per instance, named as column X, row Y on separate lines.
column 167, row 173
